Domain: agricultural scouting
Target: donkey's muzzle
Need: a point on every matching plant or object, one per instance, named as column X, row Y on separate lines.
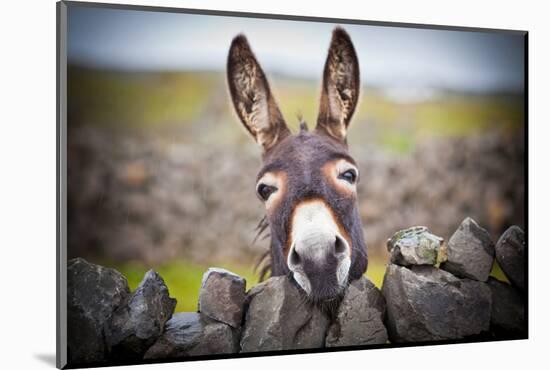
column 320, row 265
column 319, row 255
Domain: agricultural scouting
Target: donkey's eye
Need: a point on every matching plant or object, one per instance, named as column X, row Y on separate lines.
column 265, row 191
column 349, row 175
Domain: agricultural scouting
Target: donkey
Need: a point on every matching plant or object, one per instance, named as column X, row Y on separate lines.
column 308, row 181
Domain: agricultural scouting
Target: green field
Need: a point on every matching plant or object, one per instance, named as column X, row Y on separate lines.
column 199, row 102
column 184, row 278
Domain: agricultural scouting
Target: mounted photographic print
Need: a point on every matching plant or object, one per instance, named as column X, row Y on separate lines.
column 236, row 185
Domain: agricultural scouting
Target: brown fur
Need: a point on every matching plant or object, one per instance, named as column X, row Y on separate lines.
column 252, row 97
column 303, row 158
column 340, row 89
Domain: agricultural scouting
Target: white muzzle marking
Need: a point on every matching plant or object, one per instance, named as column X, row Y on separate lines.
column 314, row 230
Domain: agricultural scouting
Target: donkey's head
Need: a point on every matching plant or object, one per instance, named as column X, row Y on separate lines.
column 308, row 180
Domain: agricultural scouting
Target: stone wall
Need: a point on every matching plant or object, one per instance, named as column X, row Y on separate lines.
column 432, row 291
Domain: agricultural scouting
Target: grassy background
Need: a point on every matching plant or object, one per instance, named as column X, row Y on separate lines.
column 199, row 102
column 183, row 278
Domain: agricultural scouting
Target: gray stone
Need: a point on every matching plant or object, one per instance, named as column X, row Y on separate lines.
column 279, row 317
column 312, row 334
column 189, row 334
column 222, row 296
column 425, row 303
column 470, row 252
column 510, row 253
column 508, row 310
column 135, row 326
column 217, row 338
column 181, row 333
column 360, row 317
column 93, row 293
column 415, row 246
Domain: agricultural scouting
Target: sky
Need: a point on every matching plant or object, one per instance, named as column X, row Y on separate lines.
column 393, row 58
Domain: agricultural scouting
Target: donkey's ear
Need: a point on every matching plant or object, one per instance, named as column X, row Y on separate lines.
column 340, row 89
column 252, row 97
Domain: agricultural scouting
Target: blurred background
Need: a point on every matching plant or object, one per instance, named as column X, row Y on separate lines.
column 161, row 174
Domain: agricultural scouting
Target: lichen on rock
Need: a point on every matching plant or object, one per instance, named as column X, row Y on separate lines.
column 416, row 246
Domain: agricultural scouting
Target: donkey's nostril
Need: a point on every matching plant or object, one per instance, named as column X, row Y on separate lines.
column 339, row 246
column 294, row 257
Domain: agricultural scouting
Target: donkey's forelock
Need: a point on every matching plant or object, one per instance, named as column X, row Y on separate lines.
column 308, row 180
